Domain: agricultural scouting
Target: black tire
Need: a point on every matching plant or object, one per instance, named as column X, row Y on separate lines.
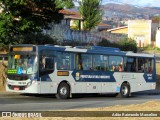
column 125, row 90
column 63, row 91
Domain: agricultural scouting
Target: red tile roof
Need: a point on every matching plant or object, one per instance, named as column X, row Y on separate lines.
column 118, row 28
column 103, row 24
column 70, row 14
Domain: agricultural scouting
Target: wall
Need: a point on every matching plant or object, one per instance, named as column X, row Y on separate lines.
column 155, row 25
column 158, row 38
column 140, row 30
column 121, row 31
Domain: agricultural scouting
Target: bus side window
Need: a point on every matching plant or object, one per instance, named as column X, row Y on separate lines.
column 130, row 64
column 49, row 63
column 86, row 61
column 41, row 63
column 116, row 63
column 46, row 63
column 149, row 65
column 100, row 63
column 78, row 62
column 141, row 65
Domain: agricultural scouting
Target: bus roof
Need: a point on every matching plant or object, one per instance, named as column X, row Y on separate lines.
column 89, row 49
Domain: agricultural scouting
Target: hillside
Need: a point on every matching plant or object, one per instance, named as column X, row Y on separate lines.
column 129, row 10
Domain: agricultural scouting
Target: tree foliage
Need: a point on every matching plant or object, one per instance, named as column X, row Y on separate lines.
column 64, row 3
column 36, row 39
column 157, row 18
column 128, row 44
column 91, row 13
column 125, row 44
column 19, row 17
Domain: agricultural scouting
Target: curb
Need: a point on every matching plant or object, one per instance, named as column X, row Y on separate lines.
column 148, row 92
column 4, row 93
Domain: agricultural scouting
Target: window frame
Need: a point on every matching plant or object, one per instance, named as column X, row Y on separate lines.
column 71, row 60
column 116, row 66
column 106, row 68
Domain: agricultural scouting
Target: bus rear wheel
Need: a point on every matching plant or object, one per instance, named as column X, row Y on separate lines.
column 125, row 90
column 63, row 91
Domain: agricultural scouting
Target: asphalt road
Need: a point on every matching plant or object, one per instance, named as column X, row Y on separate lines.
column 44, row 103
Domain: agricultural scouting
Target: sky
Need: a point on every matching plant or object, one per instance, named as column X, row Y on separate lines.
column 140, row 3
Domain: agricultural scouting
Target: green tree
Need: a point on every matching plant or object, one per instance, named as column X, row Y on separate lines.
column 128, row 44
column 76, row 25
column 156, row 18
column 91, row 12
column 36, row 38
column 125, row 44
column 107, row 43
column 19, row 17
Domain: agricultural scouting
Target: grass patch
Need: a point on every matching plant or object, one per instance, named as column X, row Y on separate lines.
column 151, row 49
column 2, row 79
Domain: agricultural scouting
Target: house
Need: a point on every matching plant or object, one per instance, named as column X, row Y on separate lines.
column 143, row 31
column 155, row 25
column 67, row 30
column 102, row 26
column 158, row 37
column 72, row 18
column 119, row 30
column 140, row 31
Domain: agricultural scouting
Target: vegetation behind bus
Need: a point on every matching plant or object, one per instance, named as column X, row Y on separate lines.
column 19, row 17
column 126, row 44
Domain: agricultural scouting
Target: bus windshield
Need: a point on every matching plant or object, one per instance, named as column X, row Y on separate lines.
column 22, row 64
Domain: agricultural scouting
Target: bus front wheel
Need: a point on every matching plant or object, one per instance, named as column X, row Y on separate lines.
column 63, row 91
column 125, row 90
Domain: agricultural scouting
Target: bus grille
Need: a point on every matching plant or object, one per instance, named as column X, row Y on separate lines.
column 17, row 77
column 20, row 87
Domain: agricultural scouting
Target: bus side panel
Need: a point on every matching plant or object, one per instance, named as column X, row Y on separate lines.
column 79, row 87
column 137, row 81
column 93, row 87
column 109, row 87
column 50, row 83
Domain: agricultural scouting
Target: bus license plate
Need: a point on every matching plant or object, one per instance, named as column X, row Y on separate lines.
column 16, row 88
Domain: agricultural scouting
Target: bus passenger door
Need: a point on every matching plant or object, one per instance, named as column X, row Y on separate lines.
column 46, row 69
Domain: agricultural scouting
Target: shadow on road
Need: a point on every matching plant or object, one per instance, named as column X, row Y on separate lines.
column 78, row 96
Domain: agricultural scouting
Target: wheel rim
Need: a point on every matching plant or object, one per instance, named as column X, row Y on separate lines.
column 63, row 91
column 124, row 90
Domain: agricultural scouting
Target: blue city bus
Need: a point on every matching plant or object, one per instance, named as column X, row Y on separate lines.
column 65, row 70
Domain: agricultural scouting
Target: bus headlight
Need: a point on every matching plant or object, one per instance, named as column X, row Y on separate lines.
column 33, row 77
column 29, row 83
